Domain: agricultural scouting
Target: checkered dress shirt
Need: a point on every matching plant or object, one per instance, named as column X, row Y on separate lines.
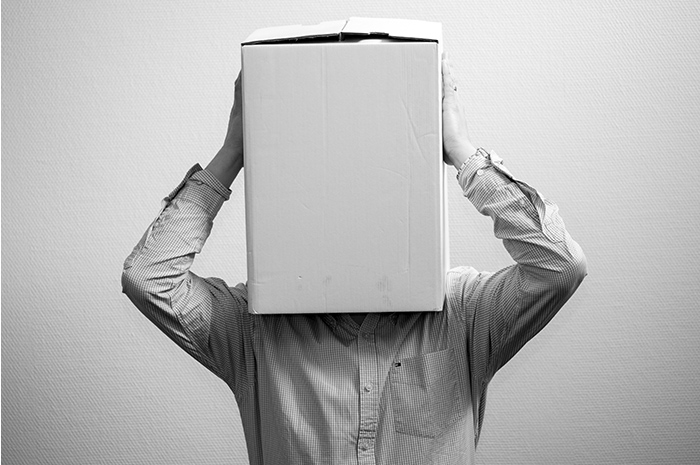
column 402, row 388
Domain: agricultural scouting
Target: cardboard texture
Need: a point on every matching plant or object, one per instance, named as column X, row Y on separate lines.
column 344, row 179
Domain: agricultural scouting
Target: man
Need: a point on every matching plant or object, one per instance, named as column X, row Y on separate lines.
column 404, row 388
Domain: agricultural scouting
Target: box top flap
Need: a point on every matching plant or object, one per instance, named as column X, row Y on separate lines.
column 335, row 30
column 297, row 31
column 397, row 28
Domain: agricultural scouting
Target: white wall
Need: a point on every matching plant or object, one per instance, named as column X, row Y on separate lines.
column 106, row 104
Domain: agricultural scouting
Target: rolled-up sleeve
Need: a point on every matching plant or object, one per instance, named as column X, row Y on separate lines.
column 505, row 309
column 203, row 316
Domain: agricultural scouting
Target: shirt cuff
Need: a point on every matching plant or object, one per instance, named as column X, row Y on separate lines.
column 484, row 173
column 201, row 187
column 479, row 177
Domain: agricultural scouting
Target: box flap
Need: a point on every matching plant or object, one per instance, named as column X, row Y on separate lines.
column 297, row 31
column 397, row 28
column 373, row 27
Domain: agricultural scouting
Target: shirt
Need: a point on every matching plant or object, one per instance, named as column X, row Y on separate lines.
column 402, row 388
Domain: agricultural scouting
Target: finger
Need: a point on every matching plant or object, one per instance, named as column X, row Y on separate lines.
column 236, row 109
column 237, row 89
column 449, row 84
column 444, row 72
column 237, row 85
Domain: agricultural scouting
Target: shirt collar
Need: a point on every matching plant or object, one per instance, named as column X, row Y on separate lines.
column 334, row 321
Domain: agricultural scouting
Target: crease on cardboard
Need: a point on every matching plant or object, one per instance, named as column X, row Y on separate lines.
column 396, row 172
column 340, row 33
column 414, row 131
column 425, row 152
column 408, row 243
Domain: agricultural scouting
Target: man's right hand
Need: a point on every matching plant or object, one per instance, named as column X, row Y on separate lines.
column 229, row 160
column 455, row 140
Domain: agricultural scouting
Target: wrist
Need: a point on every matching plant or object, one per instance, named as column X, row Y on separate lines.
column 226, row 164
column 232, row 152
column 463, row 167
column 459, row 156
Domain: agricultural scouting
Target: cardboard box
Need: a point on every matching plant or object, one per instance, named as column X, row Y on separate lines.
column 344, row 178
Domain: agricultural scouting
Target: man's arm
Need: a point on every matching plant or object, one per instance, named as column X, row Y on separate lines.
column 503, row 310
column 228, row 162
column 205, row 317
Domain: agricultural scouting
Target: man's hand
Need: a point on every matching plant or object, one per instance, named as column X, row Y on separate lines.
column 229, row 160
column 455, row 139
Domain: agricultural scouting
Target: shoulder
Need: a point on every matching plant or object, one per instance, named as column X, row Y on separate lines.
column 459, row 279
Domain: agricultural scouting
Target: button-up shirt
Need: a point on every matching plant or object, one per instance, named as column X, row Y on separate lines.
column 401, row 388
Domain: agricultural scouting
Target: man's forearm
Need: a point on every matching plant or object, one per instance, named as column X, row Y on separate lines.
column 530, row 227
column 226, row 165
column 163, row 256
column 228, row 162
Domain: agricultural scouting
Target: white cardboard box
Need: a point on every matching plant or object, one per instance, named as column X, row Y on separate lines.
column 344, row 179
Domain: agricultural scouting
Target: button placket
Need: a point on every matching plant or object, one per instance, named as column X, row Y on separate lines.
column 369, row 398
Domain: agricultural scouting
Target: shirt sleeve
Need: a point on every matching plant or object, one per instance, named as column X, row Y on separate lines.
column 203, row 316
column 504, row 309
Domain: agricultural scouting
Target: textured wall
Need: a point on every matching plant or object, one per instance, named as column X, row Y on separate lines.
column 106, row 104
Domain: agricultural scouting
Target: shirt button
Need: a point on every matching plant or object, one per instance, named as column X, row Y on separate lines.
column 368, row 387
column 367, row 335
column 363, row 447
column 479, row 172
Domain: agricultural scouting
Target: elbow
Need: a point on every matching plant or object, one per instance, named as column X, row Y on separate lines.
column 573, row 272
column 139, row 285
column 143, row 291
column 151, row 290
column 133, row 275
column 133, row 284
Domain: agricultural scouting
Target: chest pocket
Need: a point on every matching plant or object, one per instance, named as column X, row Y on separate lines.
column 425, row 396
